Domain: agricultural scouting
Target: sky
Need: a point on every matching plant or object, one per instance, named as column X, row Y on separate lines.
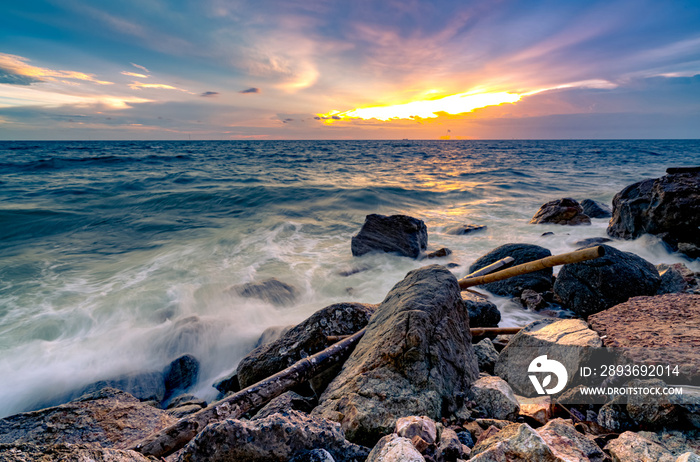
column 360, row 69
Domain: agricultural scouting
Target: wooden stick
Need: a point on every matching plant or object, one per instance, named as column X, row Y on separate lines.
column 176, row 436
column 498, row 264
column 532, row 266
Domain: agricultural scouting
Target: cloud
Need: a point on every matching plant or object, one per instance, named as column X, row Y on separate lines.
column 250, row 90
column 208, row 94
column 162, row 86
column 134, row 74
column 17, row 65
column 138, row 66
column 11, row 78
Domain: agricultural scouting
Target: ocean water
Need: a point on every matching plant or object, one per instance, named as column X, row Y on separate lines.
column 116, row 256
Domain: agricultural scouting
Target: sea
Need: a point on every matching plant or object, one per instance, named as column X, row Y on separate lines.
column 117, row 256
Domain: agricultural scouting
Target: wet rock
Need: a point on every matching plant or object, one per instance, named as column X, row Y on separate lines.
column 184, row 410
column 631, row 447
column 315, row 455
column 482, row 313
column 591, row 241
column 568, row 444
column 539, row 281
column 443, row 252
column 303, row 340
column 109, row 417
column 595, row 209
column 278, row 437
column 181, row 374
column 486, row 355
column 228, row 384
column 494, row 398
column 460, row 230
column 186, row 399
column 286, row 402
column 271, row 290
column 668, row 207
column 532, row 300
column 594, row 285
column 400, row 234
column 146, row 386
column 450, row 448
column 411, row 426
column 67, row 452
column 673, row 278
column 271, row 334
column 514, row 442
column 568, row 341
column 394, row 448
column 415, row 358
column 564, row 211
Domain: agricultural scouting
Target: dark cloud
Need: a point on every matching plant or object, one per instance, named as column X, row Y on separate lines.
column 16, row 79
column 250, row 90
column 207, row 94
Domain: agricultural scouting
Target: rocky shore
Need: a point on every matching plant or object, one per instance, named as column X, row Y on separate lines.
column 418, row 386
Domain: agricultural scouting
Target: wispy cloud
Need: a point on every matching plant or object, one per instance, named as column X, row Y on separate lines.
column 18, row 65
column 134, row 74
column 250, row 90
column 209, row 94
column 138, row 66
column 162, row 86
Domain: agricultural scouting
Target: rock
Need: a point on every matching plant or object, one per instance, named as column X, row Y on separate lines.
column 568, row 444
column 278, row 437
column 539, row 409
column 304, row 340
column 668, row 207
column 400, row 234
column 486, row 355
column 186, row 399
column 515, row 442
column 539, row 281
column 595, row 209
column 67, row 452
column 394, row 448
column 594, row 285
column 228, row 384
column 271, row 290
column 465, row 437
column 677, row 442
column 673, row 278
column 315, row 455
column 568, row 341
column 564, row 211
column 146, row 386
column 109, row 417
column 181, row 374
column 285, row 402
column 459, row 230
column 613, row 416
column 532, row 300
column 450, row 447
column 184, row 410
column 415, row 358
column 482, row 313
column 631, row 447
column 443, row 252
column 652, row 411
column 494, row 398
column 688, row 457
column 411, row 426
column 420, row 444
column 591, row 241
column 271, row 334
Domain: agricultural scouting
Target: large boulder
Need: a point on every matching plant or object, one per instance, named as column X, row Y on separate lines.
column 595, row 209
column 668, row 207
column 595, row 285
column 539, row 281
column 564, row 211
column 394, row 448
column 400, row 234
column 181, row 374
column 494, row 398
column 271, row 290
column 67, row 453
column 276, row 438
column 482, row 313
column 303, row 340
column 514, row 442
column 146, row 386
column 631, row 447
column 415, row 358
column 568, row 444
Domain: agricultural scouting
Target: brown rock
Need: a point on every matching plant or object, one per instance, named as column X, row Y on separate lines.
column 564, row 211
column 67, row 453
column 568, row 444
column 538, row 408
column 631, row 447
column 513, row 443
column 411, row 426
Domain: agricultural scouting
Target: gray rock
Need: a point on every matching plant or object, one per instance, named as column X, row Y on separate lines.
column 303, row 340
column 186, row 399
column 595, row 285
column 482, row 313
column 394, row 448
column 271, row 334
column 67, row 453
column 412, row 426
column 286, row 402
column 460, row 230
column 592, row 241
column 415, row 358
column 652, row 411
column 564, row 211
column 271, row 290
column 539, row 281
column 228, row 384
column 513, row 443
column 450, row 447
column 532, row 300
column 673, row 278
column 486, row 355
column 631, row 447
column 184, row 410
column 278, row 437
column 146, row 386
column 440, row 253
column 181, row 374
column 677, row 442
column 595, row 209
column 315, row 455
column 494, row 398
column 568, row 444
column 614, row 416
column 400, row 234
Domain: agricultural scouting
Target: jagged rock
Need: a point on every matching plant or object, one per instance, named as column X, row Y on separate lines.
column 181, row 374
column 186, row 399
column 450, row 447
column 668, row 207
column 460, row 230
column 568, row 444
column 146, row 386
column 394, row 448
column 631, row 447
column 411, row 426
column 303, row 340
column 677, row 442
column 594, row 285
column 564, row 211
column 415, row 358
column 595, row 209
column 271, row 290
column 613, row 416
column 315, row 455
column 539, row 281
column 486, row 355
column 652, row 411
column 515, row 442
column 494, row 398
column 285, row 402
column 67, row 452
column 443, row 252
column 482, row 313
column 673, row 278
column 568, row 341
column 591, row 241
column 228, row 384
column 184, row 410
column 400, row 234
column 538, row 409
column 109, row 417
column 278, row 437
column 532, row 300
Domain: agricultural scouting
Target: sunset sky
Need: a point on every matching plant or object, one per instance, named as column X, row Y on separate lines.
column 382, row 69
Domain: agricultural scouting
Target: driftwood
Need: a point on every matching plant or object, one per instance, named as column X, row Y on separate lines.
column 176, row 436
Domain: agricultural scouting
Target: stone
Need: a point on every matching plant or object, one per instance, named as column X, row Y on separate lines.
column 422, row 426
column 285, row 402
column 564, row 211
column 460, row 230
column 67, row 452
column 538, row 408
column 568, row 444
column 108, row 417
column 304, row 340
column 146, row 386
column 466, row 438
column 631, row 447
column 315, row 455
column 651, row 411
column 440, row 253
column 515, row 442
column 420, row 444
column 539, row 281
column 494, row 398
column 677, row 442
column 184, row 410
column 568, row 341
column 482, row 313
column 688, row 457
column 228, row 384
column 613, row 416
column 673, row 278
column 591, row 241
column 186, row 399
column 181, row 374
column 450, row 447
column 595, row 285
column 532, row 300
column 668, row 207
column 271, row 290
column 486, row 355
column 400, row 234
column 278, row 437
column 271, row 334
column 595, row 209
column 394, row 448
column 415, row 358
